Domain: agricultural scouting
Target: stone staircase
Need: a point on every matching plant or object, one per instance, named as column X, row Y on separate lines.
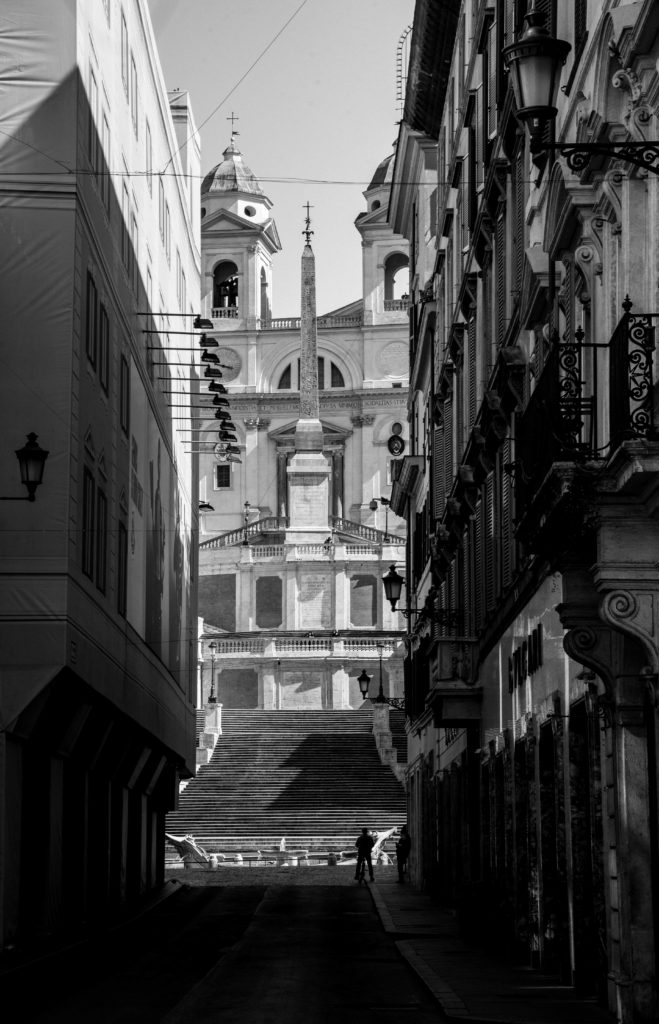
column 311, row 777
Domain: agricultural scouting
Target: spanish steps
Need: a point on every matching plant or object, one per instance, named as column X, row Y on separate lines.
column 312, row 777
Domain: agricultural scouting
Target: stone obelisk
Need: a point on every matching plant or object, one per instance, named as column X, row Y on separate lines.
column 308, row 471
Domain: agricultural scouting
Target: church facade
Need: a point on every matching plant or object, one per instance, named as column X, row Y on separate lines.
column 290, row 563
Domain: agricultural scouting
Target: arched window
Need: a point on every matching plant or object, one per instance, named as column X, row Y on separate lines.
column 337, row 377
column 396, row 278
column 225, row 285
column 329, row 376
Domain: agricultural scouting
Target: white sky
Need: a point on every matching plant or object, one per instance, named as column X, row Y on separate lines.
column 321, row 104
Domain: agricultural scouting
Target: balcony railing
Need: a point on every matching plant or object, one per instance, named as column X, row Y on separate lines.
column 396, row 305
column 560, row 424
column 278, row 524
column 270, row 524
column 225, row 313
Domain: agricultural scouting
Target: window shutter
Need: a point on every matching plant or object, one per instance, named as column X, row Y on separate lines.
column 476, row 528
column 500, row 257
column 487, row 506
column 448, row 448
column 507, row 532
column 471, row 369
column 518, row 241
column 492, row 80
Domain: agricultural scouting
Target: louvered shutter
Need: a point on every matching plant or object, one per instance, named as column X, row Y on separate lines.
column 479, row 566
column 492, row 80
column 500, row 262
column 471, row 369
column 448, row 447
column 487, row 506
column 518, row 240
column 507, row 526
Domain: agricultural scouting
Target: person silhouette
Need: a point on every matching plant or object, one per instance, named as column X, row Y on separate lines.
column 364, row 846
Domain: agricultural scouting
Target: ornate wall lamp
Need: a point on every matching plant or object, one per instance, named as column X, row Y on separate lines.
column 534, row 62
column 393, row 585
column 31, row 460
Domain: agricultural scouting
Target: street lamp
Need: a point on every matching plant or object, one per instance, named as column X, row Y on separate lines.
column 212, row 647
column 247, row 507
column 393, row 584
column 31, row 460
column 364, row 681
column 373, row 504
column 534, row 62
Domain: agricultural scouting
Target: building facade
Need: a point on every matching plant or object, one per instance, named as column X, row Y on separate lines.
column 297, row 613
column 530, row 490
column 98, row 617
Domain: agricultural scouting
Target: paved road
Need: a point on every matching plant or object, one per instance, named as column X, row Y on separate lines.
column 239, row 953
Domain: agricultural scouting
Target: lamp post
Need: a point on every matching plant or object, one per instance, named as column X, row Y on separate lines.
column 31, row 460
column 364, row 681
column 212, row 647
column 373, row 504
column 247, row 507
column 534, row 62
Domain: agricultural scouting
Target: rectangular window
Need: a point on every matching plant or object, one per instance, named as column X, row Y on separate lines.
column 92, row 138
column 161, row 208
column 125, row 224
column 149, row 156
column 124, row 53
column 222, row 476
column 91, row 325
column 124, row 395
column 88, row 502
column 103, row 348
column 133, row 94
column 101, row 539
column 105, row 163
column 122, row 568
column 134, row 237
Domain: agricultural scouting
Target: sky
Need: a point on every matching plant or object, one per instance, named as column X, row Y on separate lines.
column 319, row 106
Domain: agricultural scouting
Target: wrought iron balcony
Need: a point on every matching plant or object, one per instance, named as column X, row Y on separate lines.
column 560, row 422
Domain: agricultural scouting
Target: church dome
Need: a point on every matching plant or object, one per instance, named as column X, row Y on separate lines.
column 232, row 175
column 383, row 173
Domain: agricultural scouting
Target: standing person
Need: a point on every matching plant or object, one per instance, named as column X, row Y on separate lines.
column 403, row 847
column 364, row 846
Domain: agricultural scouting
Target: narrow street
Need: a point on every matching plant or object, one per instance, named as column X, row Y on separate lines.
column 249, row 953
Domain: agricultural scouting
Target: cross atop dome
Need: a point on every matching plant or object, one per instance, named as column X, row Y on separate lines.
column 233, row 118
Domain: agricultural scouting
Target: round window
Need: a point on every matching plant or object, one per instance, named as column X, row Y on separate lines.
column 375, row 205
column 397, row 428
column 250, row 211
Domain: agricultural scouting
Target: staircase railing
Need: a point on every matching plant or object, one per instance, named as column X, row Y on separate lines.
column 277, row 524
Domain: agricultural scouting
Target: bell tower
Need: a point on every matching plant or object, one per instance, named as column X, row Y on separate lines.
column 238, row 240
column 385, row 255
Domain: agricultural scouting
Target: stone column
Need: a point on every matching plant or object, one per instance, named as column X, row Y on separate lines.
column 282, row 484
column 337, row 483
